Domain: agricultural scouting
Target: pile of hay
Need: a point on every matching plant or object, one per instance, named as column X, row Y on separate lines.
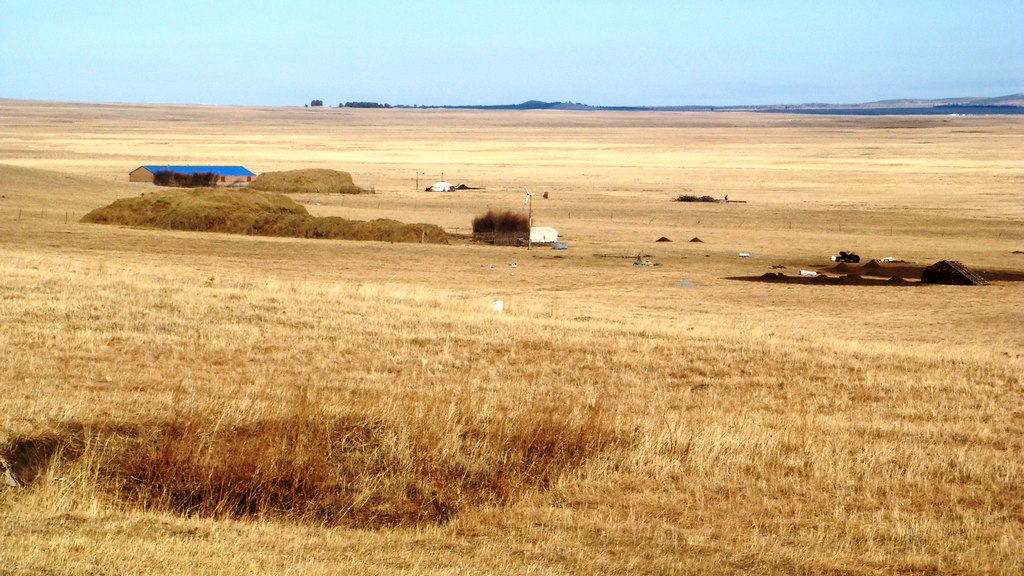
column 257, row 213
column 311, row 181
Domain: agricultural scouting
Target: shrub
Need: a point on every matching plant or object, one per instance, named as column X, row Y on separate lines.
column 364, row 468
column 691, row 198
column 183, row 180
column 501, row 223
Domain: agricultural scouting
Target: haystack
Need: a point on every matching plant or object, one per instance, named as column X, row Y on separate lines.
column 256, row 213
column 309, row 181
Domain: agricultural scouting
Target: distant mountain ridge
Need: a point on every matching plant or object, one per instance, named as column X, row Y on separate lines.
column 1009, row 104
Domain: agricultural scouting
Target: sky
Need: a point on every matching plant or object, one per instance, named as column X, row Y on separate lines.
column 454, row 52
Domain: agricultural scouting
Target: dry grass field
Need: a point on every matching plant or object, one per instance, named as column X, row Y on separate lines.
column 213, row 403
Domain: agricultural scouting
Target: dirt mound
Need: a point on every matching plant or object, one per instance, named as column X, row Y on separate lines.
column 844, row 268
column 823, row 280
column 247, row 212
column 877, row 269
column 1001, row 275
column 310, row 181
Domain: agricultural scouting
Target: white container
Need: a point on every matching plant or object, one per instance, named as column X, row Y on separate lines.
column 498, row 306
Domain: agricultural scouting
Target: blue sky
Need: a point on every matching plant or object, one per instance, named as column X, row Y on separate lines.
column 462, row 52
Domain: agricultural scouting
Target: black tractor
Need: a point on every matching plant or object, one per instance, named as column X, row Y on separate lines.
column 848, row 257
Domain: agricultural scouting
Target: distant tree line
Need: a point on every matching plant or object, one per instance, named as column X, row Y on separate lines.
column 316, row 103
column 363, row 105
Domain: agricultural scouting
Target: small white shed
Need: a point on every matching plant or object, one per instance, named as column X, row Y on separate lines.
column 543, row 235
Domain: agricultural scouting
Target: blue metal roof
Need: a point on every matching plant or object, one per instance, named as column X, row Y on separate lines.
column 218, row 170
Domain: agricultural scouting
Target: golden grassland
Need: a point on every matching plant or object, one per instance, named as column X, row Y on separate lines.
column 241, row 404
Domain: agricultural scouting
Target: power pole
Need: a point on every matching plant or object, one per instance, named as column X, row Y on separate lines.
column 529, row 233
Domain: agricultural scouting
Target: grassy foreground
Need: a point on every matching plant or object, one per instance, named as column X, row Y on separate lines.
column 213, row 403
column 518, row 440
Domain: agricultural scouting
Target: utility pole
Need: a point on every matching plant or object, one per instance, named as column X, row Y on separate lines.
column 529, row 233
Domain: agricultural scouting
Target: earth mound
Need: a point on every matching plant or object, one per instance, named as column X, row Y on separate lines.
column 309, row 181
column 823, row 280
column 237, row 211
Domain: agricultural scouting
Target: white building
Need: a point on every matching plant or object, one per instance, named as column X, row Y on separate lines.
column 543, row 235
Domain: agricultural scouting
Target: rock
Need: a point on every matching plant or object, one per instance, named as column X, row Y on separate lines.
column 8, row 476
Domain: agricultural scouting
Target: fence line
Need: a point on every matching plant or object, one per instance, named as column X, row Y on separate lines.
column 23, row 214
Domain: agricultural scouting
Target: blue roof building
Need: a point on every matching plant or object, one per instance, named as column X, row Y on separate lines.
column 227, row 174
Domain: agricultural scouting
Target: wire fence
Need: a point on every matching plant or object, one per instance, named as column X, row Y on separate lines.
column 29, row 214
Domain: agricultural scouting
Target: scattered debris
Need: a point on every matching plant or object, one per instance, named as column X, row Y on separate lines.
column 848, row 257
column 824, row 280
column 695, row 239
column 692, row 198
column 560, row 245
column 641, row 262
column 899, row 273
column 446, row 187
column 810, row 273
column 951, row 272
column 663, row 239
column 744, row 254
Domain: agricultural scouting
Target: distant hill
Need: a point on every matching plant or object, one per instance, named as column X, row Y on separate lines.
column 1009, row 104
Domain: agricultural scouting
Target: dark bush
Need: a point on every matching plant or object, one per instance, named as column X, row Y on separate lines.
column 501, row 223
column 690, row 198
column 183, row 180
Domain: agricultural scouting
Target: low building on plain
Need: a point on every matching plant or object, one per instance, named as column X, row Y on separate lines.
column 543, row 235
column 226, row 175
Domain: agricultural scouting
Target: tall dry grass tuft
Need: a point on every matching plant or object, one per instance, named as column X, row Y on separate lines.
column 364, row 468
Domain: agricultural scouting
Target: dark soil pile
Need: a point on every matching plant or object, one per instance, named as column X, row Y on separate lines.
column 256, row 213
column 877, row 269
column 311, row 181
column 873, row 273
column 823, row 280
column 910, row 271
